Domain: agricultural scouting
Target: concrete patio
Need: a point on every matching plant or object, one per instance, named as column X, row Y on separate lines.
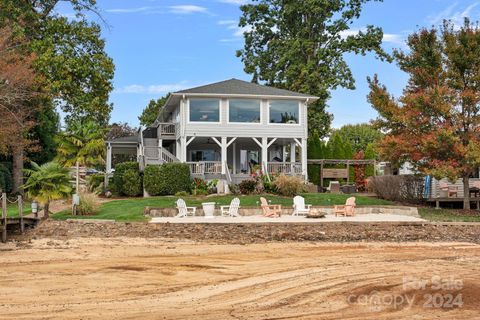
column 367, row 218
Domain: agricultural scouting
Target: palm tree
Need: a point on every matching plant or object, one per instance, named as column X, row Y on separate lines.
column 47, row 182
column 81, row 145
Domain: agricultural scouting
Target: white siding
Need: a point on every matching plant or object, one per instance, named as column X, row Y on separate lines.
column 263, row 129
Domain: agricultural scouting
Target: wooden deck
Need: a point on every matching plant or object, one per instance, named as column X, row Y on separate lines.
column 437, row 201
column 16, row 224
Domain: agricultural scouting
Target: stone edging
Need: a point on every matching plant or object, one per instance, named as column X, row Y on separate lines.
column 251, row 211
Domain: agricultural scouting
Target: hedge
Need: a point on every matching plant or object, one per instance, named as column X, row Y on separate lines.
column 167, row 179
column 132, row 183
column 120, row 169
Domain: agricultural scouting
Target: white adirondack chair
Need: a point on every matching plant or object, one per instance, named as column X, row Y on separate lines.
column 232, row 209
column 183, row 210
column 299, row 206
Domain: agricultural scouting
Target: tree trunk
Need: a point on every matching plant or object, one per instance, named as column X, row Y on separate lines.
column 45, row 210
column 17, row 169
column 466, row 193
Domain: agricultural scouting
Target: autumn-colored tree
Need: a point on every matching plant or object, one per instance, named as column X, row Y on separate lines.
column 17, row 114
column 435, row 123
column 359, row 172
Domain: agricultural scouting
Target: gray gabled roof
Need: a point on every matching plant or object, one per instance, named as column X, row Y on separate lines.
column 239, row 87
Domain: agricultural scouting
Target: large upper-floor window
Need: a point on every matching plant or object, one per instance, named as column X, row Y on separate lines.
column 284, row 111
column 205, row 110
column 244, row 110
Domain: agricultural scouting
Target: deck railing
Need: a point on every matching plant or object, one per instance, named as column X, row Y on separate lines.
column 288, row 168
column 158, row 155
column 166, row 129
column 205, row 167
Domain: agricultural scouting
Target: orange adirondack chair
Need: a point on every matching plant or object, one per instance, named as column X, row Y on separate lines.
column 346, row 210
column 270, row 210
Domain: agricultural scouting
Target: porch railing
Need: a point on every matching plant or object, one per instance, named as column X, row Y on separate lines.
column 158, row 154
column 166, row 129
column 205, row 167
column 288, row 168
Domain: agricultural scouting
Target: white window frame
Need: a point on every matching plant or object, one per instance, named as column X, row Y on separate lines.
column 246, row 123
column 205, row 122
column 300, row 114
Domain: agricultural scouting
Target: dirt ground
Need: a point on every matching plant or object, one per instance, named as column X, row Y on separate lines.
column 158, row 278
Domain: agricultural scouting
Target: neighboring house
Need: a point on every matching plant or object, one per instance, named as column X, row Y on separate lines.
column 224, row 130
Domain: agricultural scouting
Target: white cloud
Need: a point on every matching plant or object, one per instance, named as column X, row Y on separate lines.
column 188, row 9
column 456, row 14
column 237, row 32
column 152, row 89
column 227, row 22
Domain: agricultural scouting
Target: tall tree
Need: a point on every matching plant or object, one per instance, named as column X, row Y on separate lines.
column 69, row 65
column 300, row 46
column 434, row 125
column 152, row 110
column 17, row 88
column 82, row 145
column 70, row 54
column 359, row 135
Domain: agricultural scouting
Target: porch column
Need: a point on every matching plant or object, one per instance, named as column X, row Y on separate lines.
column 265, row 153
column 284, row 152
column 178, row 149
column 108, row 164
column 224, row 153
column 234, row 158
column 183, row 149
column 160, row 149
column 304, row 158
column 293, row 146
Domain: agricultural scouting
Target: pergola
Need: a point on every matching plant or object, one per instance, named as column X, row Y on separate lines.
column 339, row 173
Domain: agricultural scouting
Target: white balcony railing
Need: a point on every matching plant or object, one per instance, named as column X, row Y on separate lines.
column 205, row 167
column 288, row 168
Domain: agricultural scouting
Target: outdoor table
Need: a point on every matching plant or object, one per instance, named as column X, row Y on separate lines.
column 208, row 209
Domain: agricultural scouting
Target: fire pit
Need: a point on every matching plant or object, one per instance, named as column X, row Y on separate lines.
column 315, row 214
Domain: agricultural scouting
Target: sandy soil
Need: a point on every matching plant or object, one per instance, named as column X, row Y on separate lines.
column 133, row 278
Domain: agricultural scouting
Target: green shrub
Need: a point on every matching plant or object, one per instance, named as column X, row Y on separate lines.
column 5, row 179
column 89, row 204
column 289, row 185
column 167, row 179
column 248, row 186
column 117, row 185
column 181, row 194
column 132, row 183
column 234, row 189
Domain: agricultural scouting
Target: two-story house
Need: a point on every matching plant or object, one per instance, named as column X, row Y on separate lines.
column 225, row 130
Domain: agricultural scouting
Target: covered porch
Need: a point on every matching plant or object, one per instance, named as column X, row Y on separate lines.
column 238, row 157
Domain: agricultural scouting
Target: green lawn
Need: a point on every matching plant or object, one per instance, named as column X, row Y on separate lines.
column 448, row 215
column 132, row 209
column 12, row 209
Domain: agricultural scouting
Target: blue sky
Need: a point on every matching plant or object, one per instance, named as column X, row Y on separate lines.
column 161, row 45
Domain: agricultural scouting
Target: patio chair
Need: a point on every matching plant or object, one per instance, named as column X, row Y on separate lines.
column 334, row 187
column 270, row 210
column 452, row 191
column 348, row 209
column 183, row 210
column 232, row 209
column 299, row 206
